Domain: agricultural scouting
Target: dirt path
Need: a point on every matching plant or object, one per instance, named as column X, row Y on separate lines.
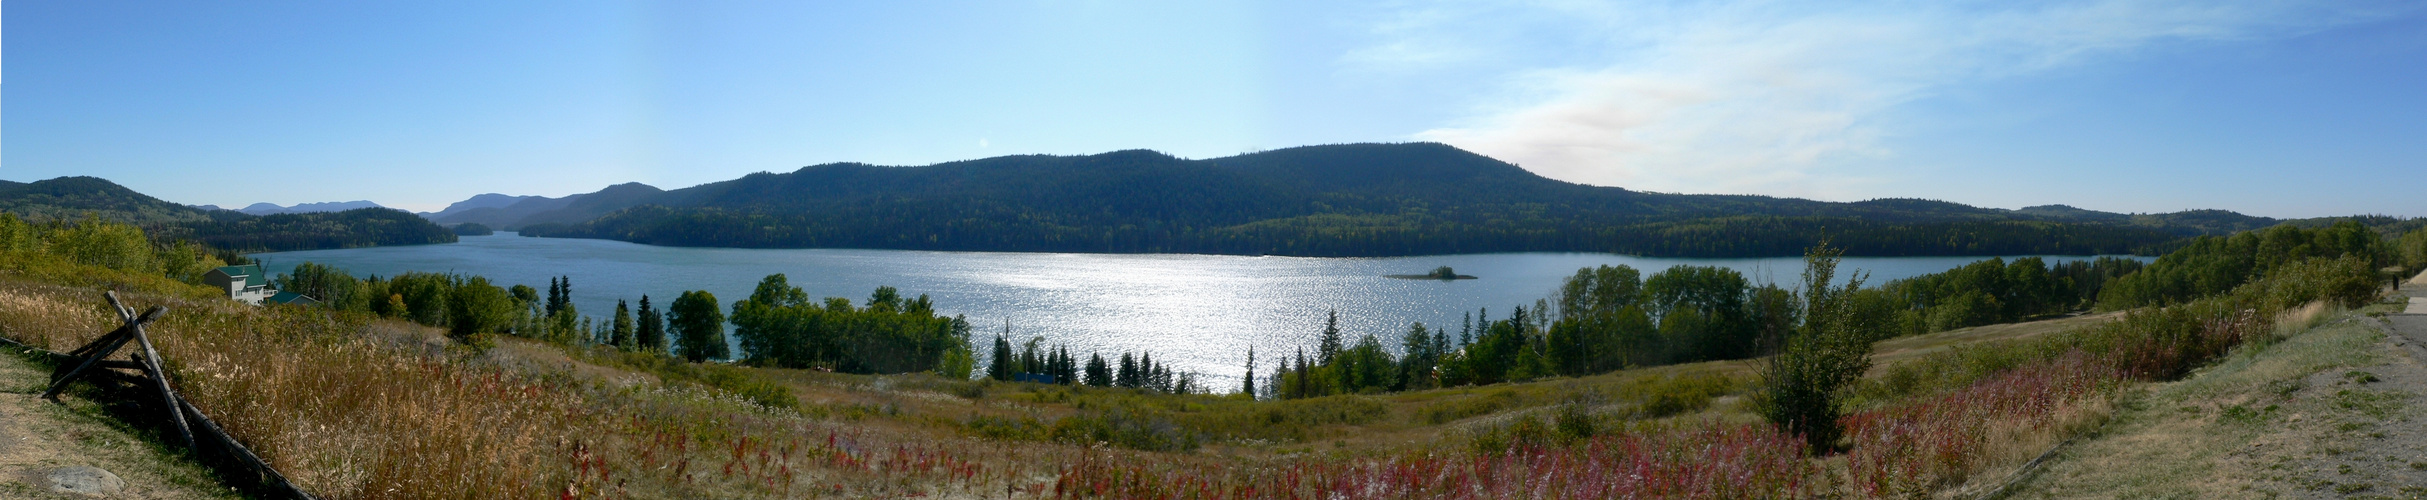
column 2366, row 440
column 2388, row 455
column 38, row 437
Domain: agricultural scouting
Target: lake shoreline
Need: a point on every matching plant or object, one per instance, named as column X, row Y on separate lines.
column 1204, row 311
column 1796, row 255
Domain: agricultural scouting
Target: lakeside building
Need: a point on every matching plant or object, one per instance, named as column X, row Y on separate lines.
column 249, row 284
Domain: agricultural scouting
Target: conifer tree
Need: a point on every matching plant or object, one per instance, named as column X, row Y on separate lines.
column 1058, row 364
column 999, row 367
column 1248, row 383
column 1280, row 379
column 621, row 334
column 1128, row 377
column 1466, row 332
column 1099, row 373
column 1329, row 348
column 556, row 294
column 652, row 327
column 1300, row 379
column 1146, row 370
column 1440, row 345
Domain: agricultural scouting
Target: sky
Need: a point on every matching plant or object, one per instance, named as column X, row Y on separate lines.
column 2273, row 108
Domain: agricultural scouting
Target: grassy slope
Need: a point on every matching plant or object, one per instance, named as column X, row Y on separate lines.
column 2258, row 424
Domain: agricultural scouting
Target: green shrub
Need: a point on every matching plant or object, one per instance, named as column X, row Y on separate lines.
column 1008, row 429
column 1124, row 429
column 1450, row 410
column 1672, row 395
column 756, row 389
column 1803, row 383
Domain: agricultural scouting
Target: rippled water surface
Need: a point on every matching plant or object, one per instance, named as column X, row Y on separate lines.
column 1197, row 312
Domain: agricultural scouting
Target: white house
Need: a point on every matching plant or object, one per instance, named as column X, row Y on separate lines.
column 245, row 283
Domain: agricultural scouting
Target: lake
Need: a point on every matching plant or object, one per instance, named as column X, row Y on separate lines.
column 1196, row 313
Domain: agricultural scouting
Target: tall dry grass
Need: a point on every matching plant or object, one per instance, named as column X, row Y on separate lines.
column 350, row 406
column 1916, row 449
column 1702, row 461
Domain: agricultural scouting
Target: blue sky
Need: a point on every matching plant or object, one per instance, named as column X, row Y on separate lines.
column 2286, row 109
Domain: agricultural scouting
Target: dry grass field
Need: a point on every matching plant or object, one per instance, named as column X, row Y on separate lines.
column 354, row 406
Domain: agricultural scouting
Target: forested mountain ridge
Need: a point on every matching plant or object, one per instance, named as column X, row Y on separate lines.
column 527, row 210
column 488, row 200
column 69, row 199
column 73, row 197
column 1337, row 200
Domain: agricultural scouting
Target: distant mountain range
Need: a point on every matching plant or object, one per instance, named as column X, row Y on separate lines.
column 1337, row 200
column 74, row 198
column 1353, row 199
column 300, row 208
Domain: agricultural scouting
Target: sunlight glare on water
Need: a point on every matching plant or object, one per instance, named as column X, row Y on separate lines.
column 1197, row 313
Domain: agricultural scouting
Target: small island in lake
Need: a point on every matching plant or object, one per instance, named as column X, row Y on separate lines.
column 1443, row 273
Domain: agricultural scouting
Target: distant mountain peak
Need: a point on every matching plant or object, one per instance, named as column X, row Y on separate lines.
column 632, row 186
column 305, row 208
column 1134, row 154
column 483, row 200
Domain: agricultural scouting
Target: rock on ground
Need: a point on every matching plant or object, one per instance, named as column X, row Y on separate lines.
column 84, row 480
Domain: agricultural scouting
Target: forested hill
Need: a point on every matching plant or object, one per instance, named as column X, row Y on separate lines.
column 1341, row 200
column 70, row 199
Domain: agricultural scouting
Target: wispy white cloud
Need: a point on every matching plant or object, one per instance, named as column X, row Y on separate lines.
column 1757, row 96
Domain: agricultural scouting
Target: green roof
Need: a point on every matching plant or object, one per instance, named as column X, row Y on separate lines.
column 291, row 298
column 252, row 274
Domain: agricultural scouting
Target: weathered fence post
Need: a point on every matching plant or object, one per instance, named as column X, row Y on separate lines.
column 97, row 353
column 182, row 414
column 151, row 363
column 93, row 353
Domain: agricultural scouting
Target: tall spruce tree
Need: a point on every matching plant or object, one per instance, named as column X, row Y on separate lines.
column 1128, row 376
column 1000, row 366
column 1069, row 372
column 1099, row 373
column 1146, row 369
column 621, row 334
column 1466, row 331
column 652, row 328
column 1328, row 350
column 1247, row 384
column 1299, row 381
column 556, row 296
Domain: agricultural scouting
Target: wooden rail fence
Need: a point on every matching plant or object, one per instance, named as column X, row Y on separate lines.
column 192, row 428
